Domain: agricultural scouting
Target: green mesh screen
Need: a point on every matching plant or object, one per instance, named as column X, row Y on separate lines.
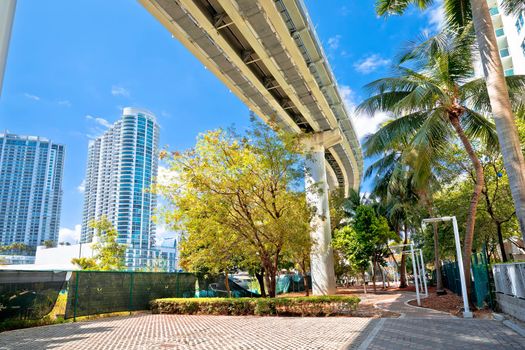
column 29, row 294
column 98, row 292
column 292, row 283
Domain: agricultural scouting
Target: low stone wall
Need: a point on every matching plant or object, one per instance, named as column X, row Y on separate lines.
column 511, row 305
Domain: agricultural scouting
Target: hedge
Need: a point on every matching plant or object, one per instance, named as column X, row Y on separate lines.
column 300, row 306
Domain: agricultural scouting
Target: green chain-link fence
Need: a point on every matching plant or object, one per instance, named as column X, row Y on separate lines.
column 29, row 294
column 98, row 292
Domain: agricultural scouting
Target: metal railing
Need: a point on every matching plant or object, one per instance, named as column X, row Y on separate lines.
column 510, row 279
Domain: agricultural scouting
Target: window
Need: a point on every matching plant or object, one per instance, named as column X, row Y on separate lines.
column 523, row 46
column 500, row 32
column 494, row 11
column 509, row 72
column 504, row 53
column 520, row 22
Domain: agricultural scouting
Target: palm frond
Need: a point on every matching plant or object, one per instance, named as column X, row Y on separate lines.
column 393, row 132
column 513, row 7
column 477, row 126
column 458, row 13
column 397, row 7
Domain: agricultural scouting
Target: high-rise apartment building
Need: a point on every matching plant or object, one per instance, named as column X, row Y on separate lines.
column 31, row 170
column 122, row 165
column 510, row 34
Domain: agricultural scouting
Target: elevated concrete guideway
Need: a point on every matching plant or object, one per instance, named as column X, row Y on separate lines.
column 268, row 54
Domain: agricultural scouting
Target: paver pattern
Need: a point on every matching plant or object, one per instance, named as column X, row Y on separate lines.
column 416, row 329
column 192, row 332
column 414, row 333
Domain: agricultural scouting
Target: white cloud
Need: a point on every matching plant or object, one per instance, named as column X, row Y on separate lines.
column 166, row 176
column 82, row 187
column 436, row 16
column 119, row 91
column 64, row 103
column 69, row 235
column 32, row 97
column 363, row 124
column 371, row 63
column 344, row 11
column 98, row 120
column 333, row 42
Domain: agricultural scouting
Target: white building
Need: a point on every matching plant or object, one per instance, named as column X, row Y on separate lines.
column 31, row 171
column 122, row 166
column 510, row 34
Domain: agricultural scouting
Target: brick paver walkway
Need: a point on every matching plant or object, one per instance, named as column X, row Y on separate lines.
column 399, row 304
column 416, row 329
column 192, row 332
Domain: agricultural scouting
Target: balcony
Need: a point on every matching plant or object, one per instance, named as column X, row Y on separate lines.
column 494, row 11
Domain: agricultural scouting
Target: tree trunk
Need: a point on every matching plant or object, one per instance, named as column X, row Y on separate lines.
column 478, row 186
column 437, row 262
column 374, row 275
column 500, row 241
column 227, row 283
column 306, row 287
column 501, row 107
column 403, row 266
column 272, row 286
column 267, row 273
column 364, row 281
column 260, row 279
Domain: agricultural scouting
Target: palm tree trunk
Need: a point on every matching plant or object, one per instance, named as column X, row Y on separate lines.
column 474, row 200
column 500, row 241
column 501, row 107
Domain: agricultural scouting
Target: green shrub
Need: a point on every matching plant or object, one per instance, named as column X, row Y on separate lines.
column 301, row 306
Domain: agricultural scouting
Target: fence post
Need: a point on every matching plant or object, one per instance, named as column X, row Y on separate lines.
column 131, row 291
column 75, row 302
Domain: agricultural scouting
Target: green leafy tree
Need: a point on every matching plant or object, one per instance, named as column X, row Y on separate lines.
column 242, row 186
column 366, row 239
column 436, row 106
column 353, row 249
column 109, row 254
column 497, row 93
column 49, row 244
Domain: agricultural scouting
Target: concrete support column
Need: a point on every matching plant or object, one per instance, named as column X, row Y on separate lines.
column 7, row 12
column 322, row 257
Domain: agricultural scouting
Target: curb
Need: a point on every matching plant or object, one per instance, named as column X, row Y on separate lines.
column 515, row 327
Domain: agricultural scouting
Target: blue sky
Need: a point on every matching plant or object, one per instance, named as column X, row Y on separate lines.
column 73, row 65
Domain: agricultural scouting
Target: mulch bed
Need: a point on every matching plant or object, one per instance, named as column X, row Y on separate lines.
column 450, row 303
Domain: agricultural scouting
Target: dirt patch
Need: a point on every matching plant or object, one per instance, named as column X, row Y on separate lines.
column 450, row 303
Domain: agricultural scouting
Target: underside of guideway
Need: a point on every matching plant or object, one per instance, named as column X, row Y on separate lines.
column 268, row 54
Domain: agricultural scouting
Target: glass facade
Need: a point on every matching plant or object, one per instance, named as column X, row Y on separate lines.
column 122, row 166
column 31, row 170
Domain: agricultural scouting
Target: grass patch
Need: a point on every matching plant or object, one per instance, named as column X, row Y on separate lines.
column 299, row 306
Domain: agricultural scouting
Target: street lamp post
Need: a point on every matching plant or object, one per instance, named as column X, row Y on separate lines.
column 466, row 313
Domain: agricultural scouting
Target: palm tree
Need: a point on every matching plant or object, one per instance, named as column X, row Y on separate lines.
column 433, row 107
column 403, row 189
column 459, row 14
column 514, row 7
